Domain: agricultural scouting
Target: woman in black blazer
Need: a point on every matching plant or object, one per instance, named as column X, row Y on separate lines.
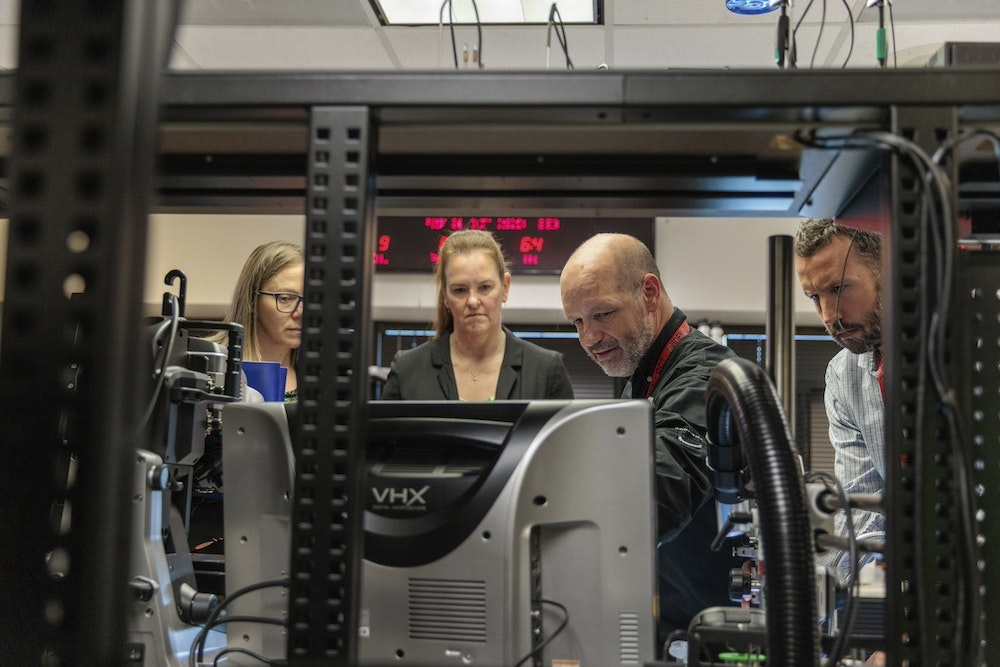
column 474, row 357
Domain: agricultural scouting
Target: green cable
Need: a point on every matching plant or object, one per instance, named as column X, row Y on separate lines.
column 741, row 658
column 881, row 51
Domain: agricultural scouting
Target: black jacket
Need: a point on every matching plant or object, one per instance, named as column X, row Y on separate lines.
column 528, row 372
column 692, row 576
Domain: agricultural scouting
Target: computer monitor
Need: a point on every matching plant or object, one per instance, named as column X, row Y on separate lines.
column 492, row 531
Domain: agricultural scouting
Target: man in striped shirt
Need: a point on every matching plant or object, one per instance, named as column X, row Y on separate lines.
column 839, row 271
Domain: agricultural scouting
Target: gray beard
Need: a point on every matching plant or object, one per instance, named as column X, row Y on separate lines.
column 633, row 348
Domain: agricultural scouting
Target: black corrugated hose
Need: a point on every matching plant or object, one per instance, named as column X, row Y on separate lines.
column 740, row 394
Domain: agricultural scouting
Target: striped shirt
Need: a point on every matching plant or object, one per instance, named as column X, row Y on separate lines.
column 856, row 413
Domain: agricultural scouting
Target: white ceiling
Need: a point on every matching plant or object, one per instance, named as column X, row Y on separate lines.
column 637, row 34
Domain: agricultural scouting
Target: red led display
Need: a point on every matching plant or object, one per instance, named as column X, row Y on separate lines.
column 532, row 244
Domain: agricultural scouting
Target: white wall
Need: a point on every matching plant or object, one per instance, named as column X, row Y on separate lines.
column 210, row 250
column 713, row 268
column 716, row 268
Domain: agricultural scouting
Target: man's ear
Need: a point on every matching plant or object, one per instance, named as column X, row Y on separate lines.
column 651, row 292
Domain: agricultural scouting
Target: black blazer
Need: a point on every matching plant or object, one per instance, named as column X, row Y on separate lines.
column 425, row 373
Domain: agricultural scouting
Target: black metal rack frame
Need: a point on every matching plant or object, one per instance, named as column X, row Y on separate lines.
column 338, row 146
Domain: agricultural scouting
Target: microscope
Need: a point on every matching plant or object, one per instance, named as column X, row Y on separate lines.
column 192, row 379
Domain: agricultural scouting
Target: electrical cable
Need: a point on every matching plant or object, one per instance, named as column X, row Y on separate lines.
column 198, row 645
column 734, row 519
column 948, row 398
column 560, row 29
column 936, row 250
column 919, row 416
column 741, row 408
column 537, row 651
column 941, row 243
column 451, row 27
column 935, row 344
column 948, row 146
column 168, row 349
column 798, row 23
column 561, row 36
column 786, row 39
column 822, row 26
column 881, row 46
column 840, row 288
column 892, row 29
column 223, row 620
column 479, row 35
column 243, row 651
column 548, row 33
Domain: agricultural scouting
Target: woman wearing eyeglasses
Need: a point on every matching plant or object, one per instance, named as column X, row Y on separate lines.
column 267, row 301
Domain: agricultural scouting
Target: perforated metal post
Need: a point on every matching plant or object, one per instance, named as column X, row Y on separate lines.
column 978, row 306
column 71, row 371
column 925, row 595
column 333, row 387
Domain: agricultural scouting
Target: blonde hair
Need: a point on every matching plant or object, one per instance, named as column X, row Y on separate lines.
column 263, row 263
column 464, row 242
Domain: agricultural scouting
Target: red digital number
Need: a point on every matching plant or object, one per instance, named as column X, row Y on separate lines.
column 437, row 224
column 531, row 244
column 384, row 241
column 548, row 224
column 512, row 224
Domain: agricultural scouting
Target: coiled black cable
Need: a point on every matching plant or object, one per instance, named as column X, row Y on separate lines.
column 742, row 401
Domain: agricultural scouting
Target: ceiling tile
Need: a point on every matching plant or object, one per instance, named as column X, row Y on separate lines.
column 341, row 13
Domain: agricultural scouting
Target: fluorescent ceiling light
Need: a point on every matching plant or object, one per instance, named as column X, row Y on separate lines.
column 428, row 12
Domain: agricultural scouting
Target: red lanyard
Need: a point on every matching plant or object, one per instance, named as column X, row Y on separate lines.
column 682, row 330
column 880, row 374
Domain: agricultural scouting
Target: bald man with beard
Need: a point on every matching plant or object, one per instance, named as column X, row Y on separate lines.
column 613, row 294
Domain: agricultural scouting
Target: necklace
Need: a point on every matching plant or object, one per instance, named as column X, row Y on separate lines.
column 487, row 362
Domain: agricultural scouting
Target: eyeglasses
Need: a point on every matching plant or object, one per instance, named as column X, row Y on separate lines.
column 285, row 302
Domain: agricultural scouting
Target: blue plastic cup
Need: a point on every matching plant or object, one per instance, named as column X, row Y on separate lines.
column 267, row 377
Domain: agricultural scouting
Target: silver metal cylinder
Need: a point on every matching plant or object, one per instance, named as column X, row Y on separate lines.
column 779, row 360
